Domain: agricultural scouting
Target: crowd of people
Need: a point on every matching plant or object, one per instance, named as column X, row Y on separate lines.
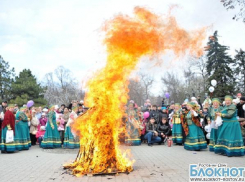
column 195, row 125
column 48, row 127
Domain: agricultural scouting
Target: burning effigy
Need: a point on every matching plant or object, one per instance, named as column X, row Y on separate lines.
column 127, row 39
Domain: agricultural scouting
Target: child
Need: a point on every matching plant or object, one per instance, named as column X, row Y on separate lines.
column 60, row 122
column 40, row 133
column 43, row 120
column 70, row 140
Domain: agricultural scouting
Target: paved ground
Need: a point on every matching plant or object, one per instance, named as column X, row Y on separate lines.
column 157, row 163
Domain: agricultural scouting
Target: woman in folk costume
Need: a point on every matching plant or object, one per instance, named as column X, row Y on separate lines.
column 8, row 124
column 133, row 131
column 229, row 141
column 195, row 139
column 22, row 134
column 51, row 137
column 71, row 141
column 177, row 135
column 216, row 108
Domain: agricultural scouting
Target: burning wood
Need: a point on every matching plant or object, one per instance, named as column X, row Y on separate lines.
column 127, row 39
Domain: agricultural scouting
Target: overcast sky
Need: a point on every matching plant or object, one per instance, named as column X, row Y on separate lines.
column 41, row 35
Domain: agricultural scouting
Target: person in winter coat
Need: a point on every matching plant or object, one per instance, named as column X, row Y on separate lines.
column 164, row 129
column 240, row 110
column 61, row 128
column 43, row 120
column 151, row 132
column 156, row 114
column 33, row 128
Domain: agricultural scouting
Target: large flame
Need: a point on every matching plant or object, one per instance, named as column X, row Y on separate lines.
column 127, row 39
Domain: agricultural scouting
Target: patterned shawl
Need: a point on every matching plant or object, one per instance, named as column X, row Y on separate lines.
column 194, row 119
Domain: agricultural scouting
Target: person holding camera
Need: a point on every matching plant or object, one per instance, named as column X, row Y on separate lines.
column 151, row 132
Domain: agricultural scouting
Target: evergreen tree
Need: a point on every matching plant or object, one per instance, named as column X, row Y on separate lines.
column 25, row 88
column 240, row 70
column 6, row 79
column 219, row 67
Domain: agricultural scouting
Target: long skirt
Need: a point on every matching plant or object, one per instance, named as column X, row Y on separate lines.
column 195, row 140
column 132, row 135
column 6, row 147
column 213, row 139
column 229, row 141
column 70, row 141
column 22, row 136
column 177, row 135
column 51, row 138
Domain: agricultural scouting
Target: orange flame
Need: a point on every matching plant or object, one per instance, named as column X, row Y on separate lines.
column 127, row 39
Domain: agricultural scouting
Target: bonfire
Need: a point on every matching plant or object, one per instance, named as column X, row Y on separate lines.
column 127, row 39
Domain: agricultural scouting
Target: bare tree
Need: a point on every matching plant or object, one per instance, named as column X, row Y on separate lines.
column 61, row 87
column 198, row 79
column 136, row 91
column 147, row 82
column 232, row 4
column 175, row 86
column 139, row 90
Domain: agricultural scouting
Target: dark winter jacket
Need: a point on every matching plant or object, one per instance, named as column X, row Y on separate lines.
column 156, row 115
column 151, row 127
column 164, row 128
column 240, row 111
